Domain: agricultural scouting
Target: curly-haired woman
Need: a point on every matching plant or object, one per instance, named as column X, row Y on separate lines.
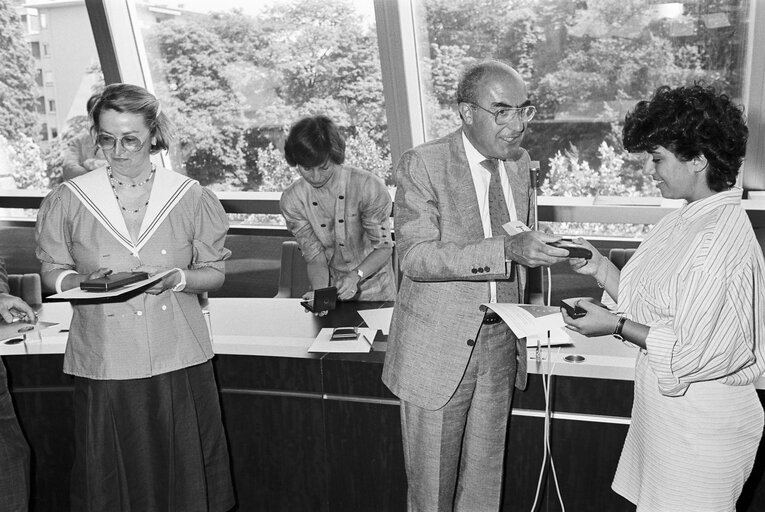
column 693, row 302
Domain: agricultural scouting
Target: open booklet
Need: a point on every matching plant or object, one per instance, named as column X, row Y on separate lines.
column 78, row 294
column 533, row 322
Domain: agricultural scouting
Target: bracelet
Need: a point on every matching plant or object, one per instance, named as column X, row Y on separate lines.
column 618, row 329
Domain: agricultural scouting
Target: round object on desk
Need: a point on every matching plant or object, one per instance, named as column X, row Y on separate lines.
column 574, row 358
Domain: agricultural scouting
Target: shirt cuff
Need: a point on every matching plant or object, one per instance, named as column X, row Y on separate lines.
column 60, row 279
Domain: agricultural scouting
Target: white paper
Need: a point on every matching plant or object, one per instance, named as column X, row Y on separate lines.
column 363, row 343
column 558, row 336
column 377, row 319
column 78, row 294
column 529, row 320
column 9, row 331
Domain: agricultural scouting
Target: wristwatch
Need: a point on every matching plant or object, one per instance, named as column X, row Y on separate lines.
column 360, row 273
column 182, row 283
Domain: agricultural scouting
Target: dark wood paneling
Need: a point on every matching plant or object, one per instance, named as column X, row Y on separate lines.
column 277, row 451
column 365, row 459
column 585, row 456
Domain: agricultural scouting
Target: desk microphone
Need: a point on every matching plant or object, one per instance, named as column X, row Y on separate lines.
column 534, row 178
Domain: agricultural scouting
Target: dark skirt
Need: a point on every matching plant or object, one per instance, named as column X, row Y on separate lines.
column 154, row 444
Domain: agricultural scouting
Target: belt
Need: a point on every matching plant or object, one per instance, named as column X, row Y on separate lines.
column 490, row 317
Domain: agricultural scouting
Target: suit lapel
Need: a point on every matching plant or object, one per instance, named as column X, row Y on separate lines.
column 519, row 185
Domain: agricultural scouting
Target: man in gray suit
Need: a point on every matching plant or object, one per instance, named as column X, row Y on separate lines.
column 453, row 365
column 14, row 451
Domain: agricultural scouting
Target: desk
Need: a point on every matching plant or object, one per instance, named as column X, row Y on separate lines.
column 321, row 432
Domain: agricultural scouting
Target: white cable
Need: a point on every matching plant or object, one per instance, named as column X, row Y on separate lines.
column 547, row 385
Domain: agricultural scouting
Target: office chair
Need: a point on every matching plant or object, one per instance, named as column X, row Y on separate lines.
column 620, row 257
column 26, row 286
column 293, row 272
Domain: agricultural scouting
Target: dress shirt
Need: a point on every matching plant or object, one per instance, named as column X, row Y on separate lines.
column 481, row 179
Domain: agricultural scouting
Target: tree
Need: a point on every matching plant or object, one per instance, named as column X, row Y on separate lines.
column 17, row 101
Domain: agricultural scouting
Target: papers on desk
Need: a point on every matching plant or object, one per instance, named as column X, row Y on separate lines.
column 533, row 322
column 363, row 343
column 19, row 329
column 377, row 319
column 78, row 294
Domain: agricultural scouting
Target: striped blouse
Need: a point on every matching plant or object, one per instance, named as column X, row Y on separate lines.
column 697, row 281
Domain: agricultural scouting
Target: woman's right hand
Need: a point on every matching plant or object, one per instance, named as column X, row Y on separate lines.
column 308, row 296
column 588, row 267
column 101, row 272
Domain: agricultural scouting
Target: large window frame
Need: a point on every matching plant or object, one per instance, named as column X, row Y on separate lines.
column 112, row 21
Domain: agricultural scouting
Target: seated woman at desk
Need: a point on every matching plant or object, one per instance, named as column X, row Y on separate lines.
column 693, row 297
column 148, row 428
column 340, row 215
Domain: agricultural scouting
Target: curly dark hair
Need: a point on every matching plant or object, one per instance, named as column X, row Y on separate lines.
column 690, row 121
column 313, row 141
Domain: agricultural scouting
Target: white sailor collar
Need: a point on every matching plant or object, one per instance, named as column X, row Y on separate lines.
column 94, row 191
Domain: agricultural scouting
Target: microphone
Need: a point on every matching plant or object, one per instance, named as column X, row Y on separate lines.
column 534, row 178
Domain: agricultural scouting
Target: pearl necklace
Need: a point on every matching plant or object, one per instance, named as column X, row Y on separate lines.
column 113, row 180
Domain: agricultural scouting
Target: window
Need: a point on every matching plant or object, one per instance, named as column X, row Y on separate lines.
column 233, row 82
column 43, row 21
column 28, row 127
column 586, row 64
column 45, row 51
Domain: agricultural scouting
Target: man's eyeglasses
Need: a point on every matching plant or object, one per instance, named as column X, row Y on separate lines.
column 507, row 114
column 128, row 142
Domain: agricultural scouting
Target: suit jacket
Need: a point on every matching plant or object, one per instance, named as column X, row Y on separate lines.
column 4, row 288
column 446, row 263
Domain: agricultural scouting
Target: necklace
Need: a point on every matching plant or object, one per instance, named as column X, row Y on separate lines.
column 112, row 180
column 133, row 185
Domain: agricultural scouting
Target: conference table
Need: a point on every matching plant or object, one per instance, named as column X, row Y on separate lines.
column 320, row 431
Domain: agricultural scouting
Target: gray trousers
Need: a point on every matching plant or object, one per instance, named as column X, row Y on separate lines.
column 454, row 456
column 14, row 455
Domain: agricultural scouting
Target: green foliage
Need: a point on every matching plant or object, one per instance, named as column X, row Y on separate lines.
column 17, row 101
column 27, row 165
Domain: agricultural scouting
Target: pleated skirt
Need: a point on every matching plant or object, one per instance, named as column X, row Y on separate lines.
column 154, row 444
column 691, row 453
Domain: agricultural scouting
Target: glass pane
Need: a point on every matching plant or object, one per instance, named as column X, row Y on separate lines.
column 234, row 80
column 586, row 64
column 51, row 66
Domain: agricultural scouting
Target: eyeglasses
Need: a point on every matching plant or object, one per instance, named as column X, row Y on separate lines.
column 128, row 142
column 507, row 114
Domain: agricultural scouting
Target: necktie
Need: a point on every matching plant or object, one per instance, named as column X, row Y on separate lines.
column 507, row 291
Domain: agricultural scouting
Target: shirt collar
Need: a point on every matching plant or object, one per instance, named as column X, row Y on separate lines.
column 474, row 158
column 702, row 206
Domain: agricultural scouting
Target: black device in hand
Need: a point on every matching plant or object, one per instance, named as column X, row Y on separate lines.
column 113, row 281
column 324, row 299
column 574, row 310
column 574, row 250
